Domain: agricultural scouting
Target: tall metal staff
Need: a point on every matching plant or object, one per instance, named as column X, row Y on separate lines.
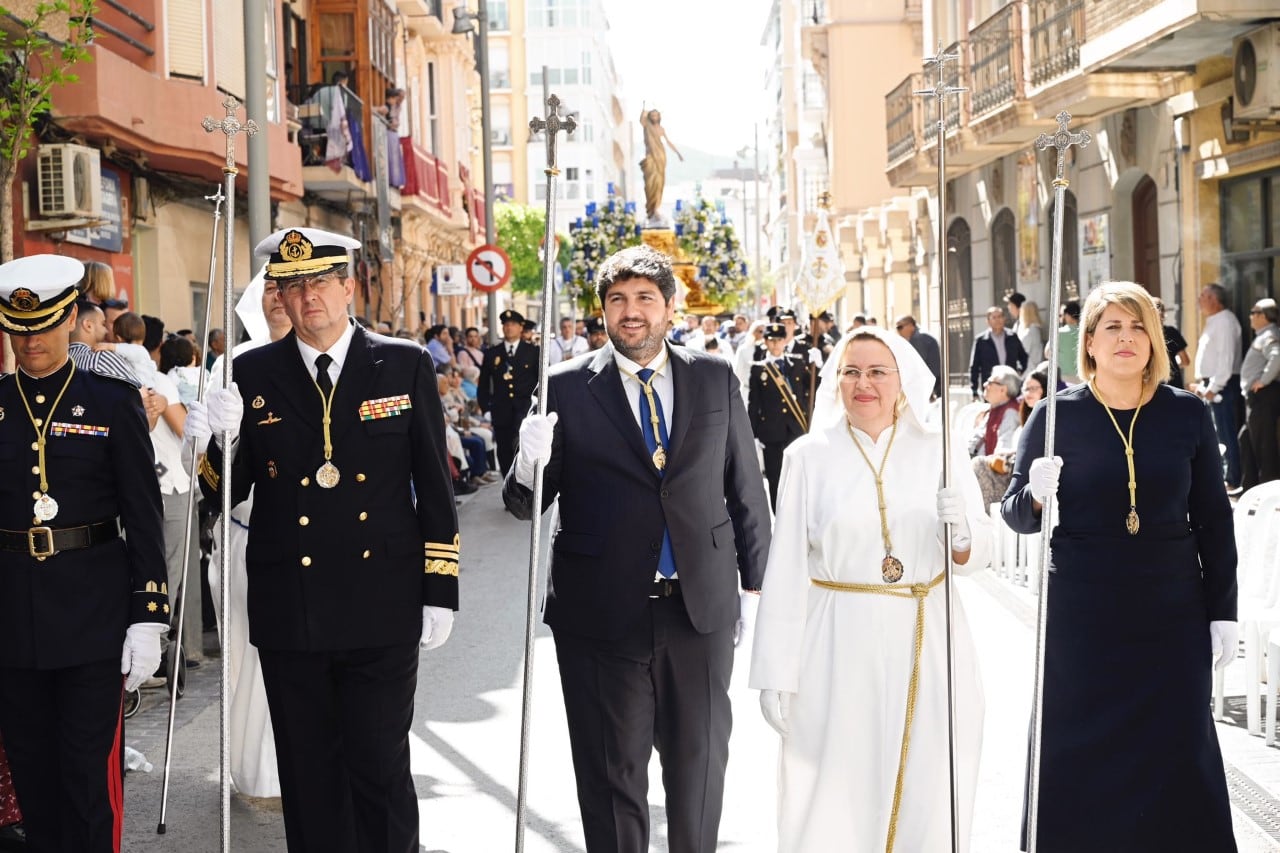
column 193, row 488
column 230, row 126
column 1061, row 141
column 551, row 125
column 940, row 91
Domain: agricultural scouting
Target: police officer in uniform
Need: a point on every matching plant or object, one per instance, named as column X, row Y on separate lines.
column 80, row 605
column 352, row 552
column 507, row 380
column 778, row 402
column 597, row 337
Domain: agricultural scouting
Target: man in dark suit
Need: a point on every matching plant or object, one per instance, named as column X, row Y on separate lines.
column 353, row 546
column 925, row 344
column 778, row 403
column 992, row 347
column 74, row 593
column 662, row 517
column 508, row 377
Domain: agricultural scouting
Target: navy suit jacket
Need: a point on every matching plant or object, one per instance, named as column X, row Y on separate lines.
column 614, row 504
column 984, row 357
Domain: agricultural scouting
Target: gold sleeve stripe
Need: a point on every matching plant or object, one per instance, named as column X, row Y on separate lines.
column 442, row 553
column 208, row 474
column 442, row 567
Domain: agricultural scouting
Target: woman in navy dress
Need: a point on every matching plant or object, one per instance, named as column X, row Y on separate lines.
column 1142, row 596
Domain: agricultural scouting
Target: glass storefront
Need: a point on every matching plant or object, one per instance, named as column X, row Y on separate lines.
column 1251, row 240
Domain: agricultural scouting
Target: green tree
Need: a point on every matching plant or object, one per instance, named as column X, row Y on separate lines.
column 39, row 43
column 521, row 229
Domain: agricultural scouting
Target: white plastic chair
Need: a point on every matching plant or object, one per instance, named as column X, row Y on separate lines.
column 1257, row 532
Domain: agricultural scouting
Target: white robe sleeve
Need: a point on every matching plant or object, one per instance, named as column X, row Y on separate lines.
column 784, row 596
column 975, row 511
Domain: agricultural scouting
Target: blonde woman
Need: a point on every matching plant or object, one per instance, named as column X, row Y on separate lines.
column 99, row 282
column 1142, row 594
column 1030, row 332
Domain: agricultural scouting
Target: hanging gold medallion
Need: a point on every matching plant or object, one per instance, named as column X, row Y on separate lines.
column 327, row 475
column 891, row 569
column 1131, row 523
column 660, row 457
column 46, row 508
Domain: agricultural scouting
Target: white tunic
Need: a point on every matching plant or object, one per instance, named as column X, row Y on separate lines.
column 847, row 656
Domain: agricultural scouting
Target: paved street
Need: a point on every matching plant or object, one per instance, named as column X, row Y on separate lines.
column 466, row 737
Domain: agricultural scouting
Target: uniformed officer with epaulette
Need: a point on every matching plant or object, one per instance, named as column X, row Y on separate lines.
column 353, row 545
column 778, row 402
column 74, row 592
column 508, row 378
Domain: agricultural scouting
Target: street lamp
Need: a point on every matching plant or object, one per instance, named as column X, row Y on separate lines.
column 755, row 184
column 465, row 21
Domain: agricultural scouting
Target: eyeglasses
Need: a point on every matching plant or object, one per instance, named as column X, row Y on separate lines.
column 315, row 283
column 873, row 374
column 1255, row 311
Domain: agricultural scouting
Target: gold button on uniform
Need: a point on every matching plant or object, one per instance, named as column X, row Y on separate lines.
column 35, row 445
column 366, row 555
column 304, row 521
column 35, row 469
column 360, row 478
column 39, row 422
column 364, row 516
column 306, row 481
column 306, row 561
column 35, row 496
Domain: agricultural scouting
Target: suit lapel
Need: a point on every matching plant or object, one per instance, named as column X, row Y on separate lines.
column 683, row 379
column 606, row 387
column 356, row 382
column 294, row 383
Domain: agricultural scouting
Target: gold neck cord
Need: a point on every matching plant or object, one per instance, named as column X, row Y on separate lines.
column 659, row 455
column 327, row 401
column 1131, row 522
column 891, row 566
column 42, row 427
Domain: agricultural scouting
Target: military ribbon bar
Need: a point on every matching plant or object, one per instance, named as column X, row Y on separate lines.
column 60, row 428
column 385, row 407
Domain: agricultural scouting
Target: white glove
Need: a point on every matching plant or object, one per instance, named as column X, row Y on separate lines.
column 1224, row 641
column 775, row 705
column 536, row 433
column 224, row 408
column 1044, row 478
column 815, row 356
column 951, row 511
column 437, row 624
column 748, row 604
column 196, row 431
column 141, row 654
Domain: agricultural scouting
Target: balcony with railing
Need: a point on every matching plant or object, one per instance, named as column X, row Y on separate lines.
column 1151, row 36
column 1057, row 31
column 426, row 184
column 904, row 131
column 1001, row 112
column 335, row 151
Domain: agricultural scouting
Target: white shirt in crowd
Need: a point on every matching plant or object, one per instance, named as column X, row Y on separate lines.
column 1218, row 350
column 167, row 444
column 564, row 350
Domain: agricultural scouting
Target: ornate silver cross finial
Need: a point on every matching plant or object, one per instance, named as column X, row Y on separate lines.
column 941, row 88
column 552, row 124
column 1062, row 140
column 230, row 125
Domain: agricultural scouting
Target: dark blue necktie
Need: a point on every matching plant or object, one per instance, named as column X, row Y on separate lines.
column 667, row 559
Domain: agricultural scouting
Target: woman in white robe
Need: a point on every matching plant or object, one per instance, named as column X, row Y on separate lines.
column 835, row 664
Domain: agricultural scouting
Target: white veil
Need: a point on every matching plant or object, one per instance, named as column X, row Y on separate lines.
column 917, row 381
column 249, row 309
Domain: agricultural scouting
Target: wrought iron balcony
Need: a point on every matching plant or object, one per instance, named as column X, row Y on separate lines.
column 996, row 72
column 954, row 106
column 1057, row 31
column 904, row 113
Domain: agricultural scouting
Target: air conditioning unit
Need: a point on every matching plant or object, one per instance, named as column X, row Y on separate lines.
column 1256, row 58
column 70, row 181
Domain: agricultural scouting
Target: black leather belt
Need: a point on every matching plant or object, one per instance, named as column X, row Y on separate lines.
column 44, row 542
column 667, row 588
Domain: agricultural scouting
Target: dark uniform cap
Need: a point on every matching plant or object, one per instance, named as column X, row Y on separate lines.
column 775, row 332
column 511, row 316
column 529, row 325
column 37, row 291
column 595, row 324
column 803, row 340
column 784, row 314
column 295, row 252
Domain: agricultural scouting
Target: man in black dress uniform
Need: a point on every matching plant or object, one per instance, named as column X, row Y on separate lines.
column 73, row 591
column 778, row 403
column 507, row 380
column 353, row 546
column 662, row 516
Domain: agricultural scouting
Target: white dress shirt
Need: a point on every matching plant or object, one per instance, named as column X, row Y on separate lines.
column 661, row 383
column 562, row 350
column 1218, row 353
column 337, row 352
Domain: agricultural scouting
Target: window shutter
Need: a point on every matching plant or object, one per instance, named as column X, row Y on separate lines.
column 184, row 38
column 228, row 46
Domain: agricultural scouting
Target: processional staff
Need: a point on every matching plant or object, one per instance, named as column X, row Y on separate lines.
column 940, row 91
column 551, row 126
column 1061, row 141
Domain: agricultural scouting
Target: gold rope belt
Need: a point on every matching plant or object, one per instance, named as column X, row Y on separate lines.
column 918, row 591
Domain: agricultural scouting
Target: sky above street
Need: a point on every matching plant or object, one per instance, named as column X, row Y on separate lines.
column 698, row 61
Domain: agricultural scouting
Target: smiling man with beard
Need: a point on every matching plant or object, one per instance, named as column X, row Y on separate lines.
column 662, row 517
